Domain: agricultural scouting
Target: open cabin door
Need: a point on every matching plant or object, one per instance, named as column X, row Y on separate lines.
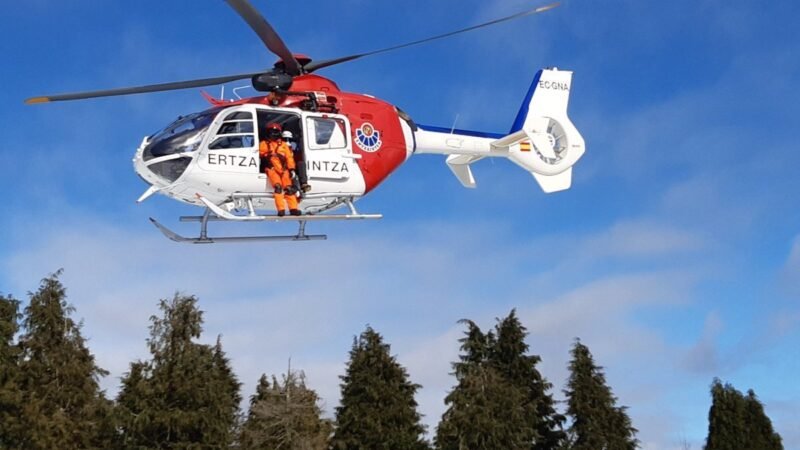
column 328, row 150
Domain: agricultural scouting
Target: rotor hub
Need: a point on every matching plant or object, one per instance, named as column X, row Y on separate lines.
column 272, row 81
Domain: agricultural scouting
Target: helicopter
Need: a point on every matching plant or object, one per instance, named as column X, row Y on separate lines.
column 351, row 142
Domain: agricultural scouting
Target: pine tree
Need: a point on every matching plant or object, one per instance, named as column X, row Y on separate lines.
column 484, row 413
column 736, row 421
column 509, row 356
column 63, row 406
column 726, row 418
column 377, row 408
column 224, row 389
column 186, row 396
column 597, row 423
column 285, row 416
column 10, row 395
column 253, row 430
column 485, row 410
column 759, row 427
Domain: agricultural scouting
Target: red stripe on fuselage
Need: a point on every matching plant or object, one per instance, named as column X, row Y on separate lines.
column 376, row 166
column 379, row 164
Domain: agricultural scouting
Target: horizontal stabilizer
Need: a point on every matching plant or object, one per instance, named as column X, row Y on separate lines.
column 511, row 139
column 459, row 164
column 554, row 183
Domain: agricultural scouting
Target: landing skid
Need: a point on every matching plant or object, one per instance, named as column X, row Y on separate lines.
column 215, row 213
column 204, row 238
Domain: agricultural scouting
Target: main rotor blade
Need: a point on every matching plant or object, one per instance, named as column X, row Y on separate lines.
column 267, row 34
column 330, row 62
column 142, row 89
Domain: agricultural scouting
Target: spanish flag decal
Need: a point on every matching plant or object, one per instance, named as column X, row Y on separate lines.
column 525, row 146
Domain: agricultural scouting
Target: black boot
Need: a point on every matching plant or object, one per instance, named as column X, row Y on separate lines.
column 281, row 213
column 294, row 212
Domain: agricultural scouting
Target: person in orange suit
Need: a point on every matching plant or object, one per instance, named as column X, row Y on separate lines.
column 279, row 167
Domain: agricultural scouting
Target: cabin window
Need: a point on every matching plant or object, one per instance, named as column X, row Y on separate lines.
column 240, row 141
column 239, row 115
column 236, row 127
column 326, row 133
column 237, row 131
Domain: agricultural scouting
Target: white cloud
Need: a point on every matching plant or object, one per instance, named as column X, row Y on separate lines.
column 791, row 269
column 704, row 357
column 643, row 239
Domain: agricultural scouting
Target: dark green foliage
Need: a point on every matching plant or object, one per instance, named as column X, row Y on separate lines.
column 484, row 413
column 597, row 423
column 501, row 399
column 10, row 395
column 285, row 416
column 760, row 430
column 737, row 421
column 377, row 409
column 484, row 410
column 186, row 396
column 62, row 405
column 223, row 387
column 508, row 356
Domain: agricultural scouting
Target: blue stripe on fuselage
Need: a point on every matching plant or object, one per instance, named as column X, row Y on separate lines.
column 461, row 132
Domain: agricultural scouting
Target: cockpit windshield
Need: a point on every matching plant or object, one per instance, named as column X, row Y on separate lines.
column 182, row 136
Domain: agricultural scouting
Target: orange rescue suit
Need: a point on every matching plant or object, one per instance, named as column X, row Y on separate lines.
column 280, row 161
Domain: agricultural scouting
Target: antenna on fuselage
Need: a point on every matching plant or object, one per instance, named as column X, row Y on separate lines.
column 236, row 91
column 455, row 121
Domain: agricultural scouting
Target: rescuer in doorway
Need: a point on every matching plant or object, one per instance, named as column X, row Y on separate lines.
column 279, row 167
column 302, row 176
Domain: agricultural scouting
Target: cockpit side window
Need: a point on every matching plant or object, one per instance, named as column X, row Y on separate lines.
column 237, row 131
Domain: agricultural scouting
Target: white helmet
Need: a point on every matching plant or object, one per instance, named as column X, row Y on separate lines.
column 287, row 135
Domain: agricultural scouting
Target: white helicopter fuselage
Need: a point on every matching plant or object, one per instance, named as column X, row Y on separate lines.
column 349, row 143
column 217, row 158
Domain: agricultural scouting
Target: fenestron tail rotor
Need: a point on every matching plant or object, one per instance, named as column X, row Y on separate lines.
column 279, row 77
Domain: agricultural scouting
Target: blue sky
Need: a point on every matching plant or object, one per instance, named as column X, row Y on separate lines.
column 675, row 256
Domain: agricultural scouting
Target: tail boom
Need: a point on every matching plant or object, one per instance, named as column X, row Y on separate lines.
column 542, row 140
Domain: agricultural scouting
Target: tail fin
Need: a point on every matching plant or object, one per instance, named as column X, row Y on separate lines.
column 542, row 139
